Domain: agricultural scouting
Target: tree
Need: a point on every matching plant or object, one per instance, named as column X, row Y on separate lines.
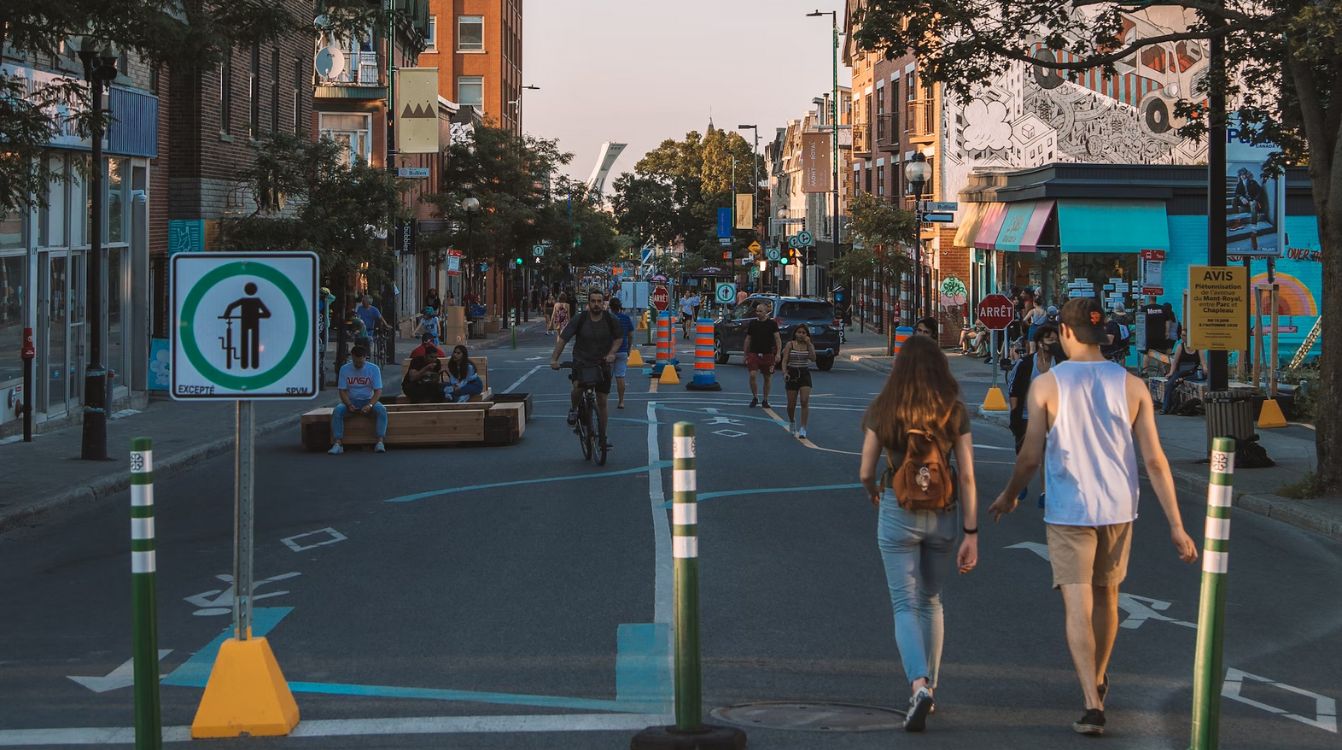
column 1284, row 74
column 882, row 231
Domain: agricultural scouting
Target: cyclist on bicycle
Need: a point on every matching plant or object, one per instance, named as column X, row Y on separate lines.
column 597, row 337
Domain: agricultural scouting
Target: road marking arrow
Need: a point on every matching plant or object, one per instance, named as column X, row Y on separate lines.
column 121, row 677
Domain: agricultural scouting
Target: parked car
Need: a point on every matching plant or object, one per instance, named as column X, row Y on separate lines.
column 729, row 333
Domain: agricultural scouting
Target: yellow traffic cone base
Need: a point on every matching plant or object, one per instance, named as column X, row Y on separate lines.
column 246, row 694
column 669, row 376
column 994, row 400
column 635, row 357
column 1271, row 416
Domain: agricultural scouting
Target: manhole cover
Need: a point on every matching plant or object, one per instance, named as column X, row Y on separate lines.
column 812, row 717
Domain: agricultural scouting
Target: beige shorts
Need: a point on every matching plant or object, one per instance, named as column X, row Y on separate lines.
column 1095, row 555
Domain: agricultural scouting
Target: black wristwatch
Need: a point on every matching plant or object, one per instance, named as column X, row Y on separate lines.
column 969, row 531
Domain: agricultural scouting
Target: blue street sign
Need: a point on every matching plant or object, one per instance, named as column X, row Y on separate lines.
column 724, row 222
column 939, row 218
column 647, row 253
column 804, row 239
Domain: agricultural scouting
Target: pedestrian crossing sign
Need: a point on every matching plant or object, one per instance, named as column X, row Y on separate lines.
column 244, row 326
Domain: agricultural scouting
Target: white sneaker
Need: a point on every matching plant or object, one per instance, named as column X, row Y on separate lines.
column 920, row 705
column 792, row 428
column 336, row 449
column 801, row 434
column 379, row 448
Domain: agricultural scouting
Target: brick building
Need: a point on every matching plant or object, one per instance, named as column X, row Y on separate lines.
column 476, row 45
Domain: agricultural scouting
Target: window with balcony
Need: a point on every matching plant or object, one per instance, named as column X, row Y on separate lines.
column 470, row 33
column 880, row 115
column 471, row 91
column 352, row 131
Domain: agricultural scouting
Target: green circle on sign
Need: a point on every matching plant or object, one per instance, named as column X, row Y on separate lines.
column 188, row 336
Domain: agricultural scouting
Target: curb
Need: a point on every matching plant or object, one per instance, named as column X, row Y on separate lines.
column 110, row 485
column 1194, row 483
column 870, row 363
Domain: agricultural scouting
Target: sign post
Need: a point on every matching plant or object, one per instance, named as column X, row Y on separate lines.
column 245, row 330
column 996, row 312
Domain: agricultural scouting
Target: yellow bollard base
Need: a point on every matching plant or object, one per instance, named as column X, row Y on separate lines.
column 669, row 376
column 995, row 401
column 635, row 357
column 1270, row 416
column 246, row 694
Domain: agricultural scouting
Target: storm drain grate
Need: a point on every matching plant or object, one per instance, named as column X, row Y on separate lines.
column 811, row 717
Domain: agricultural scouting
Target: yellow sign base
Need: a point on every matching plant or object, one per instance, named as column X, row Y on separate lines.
column 994, row 401
column 246, row 694
column 1270, row 416
column 669, row 376
column 635, row 357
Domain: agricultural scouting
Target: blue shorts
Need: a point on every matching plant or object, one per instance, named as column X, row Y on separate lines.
column 621, row 366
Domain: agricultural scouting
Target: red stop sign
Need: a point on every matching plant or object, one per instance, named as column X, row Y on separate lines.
column 996, row 312
column 660, row 298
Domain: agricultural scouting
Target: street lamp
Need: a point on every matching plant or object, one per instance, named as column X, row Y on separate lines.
column 917, row 173
column 100, row 60
column 834, row 122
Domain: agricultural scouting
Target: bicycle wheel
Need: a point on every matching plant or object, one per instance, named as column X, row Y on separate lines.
column 588, row 419
column 599, row 454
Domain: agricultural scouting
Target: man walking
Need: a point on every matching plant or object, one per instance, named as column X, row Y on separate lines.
column 360, row 386
column 1090, row 409
column 620, row 369
column 689, row 310
column 763, row 344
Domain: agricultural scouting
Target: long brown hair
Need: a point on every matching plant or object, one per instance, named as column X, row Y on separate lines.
column 920, row 394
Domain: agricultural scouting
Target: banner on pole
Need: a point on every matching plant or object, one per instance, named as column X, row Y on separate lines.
column 815, row 166
column 745, row 211
column 417, row 110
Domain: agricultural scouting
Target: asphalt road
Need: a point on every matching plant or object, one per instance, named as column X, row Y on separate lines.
column 509, row 597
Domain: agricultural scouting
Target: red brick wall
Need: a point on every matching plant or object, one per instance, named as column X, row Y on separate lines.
column 953, row 261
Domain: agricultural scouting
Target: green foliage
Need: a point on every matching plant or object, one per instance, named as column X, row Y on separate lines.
column 677, row 188
column 1306, row 488
column 341, row 212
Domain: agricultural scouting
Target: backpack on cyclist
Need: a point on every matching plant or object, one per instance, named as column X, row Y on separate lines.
column 925, row 480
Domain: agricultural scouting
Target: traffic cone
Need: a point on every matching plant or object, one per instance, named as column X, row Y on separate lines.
column 1270, row 416
column 705, row 372
column 635, row 357
column 994, row 401
column 669, row 376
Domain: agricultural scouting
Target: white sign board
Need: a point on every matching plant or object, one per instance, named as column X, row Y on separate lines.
column 633, row 295
column 245, row 326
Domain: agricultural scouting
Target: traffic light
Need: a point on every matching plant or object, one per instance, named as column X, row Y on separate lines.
column 518, row 260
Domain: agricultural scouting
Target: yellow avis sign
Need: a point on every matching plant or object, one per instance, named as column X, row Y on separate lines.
column 1218, row 307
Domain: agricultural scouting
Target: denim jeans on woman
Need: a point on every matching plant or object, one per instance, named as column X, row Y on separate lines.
column 918, row 549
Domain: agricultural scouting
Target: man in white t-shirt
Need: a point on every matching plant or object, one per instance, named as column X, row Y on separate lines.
column 689, row 307
column 1090, row 409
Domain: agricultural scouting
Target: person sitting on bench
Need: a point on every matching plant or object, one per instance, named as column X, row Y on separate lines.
column 1187, row 363
column 462, row 379
column 360, row 385
column 423, row 383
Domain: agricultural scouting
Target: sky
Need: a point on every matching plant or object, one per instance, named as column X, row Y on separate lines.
column 642, row 71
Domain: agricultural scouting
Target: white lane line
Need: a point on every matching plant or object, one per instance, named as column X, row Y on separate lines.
column 355, row 728
column 661, row 529
column 530, row 372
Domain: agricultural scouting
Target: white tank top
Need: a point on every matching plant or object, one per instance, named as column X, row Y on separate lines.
column 1089, row 459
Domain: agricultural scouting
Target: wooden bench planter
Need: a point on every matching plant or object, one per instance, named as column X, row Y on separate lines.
column 486, row 423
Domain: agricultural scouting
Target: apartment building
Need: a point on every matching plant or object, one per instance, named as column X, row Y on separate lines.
column 476, row 45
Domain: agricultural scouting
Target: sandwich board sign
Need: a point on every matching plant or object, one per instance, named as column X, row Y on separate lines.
column 245, row 326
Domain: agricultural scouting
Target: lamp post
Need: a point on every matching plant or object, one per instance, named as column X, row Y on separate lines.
column 917, row 173
column 522, row 313
column 834, row 122
column 100, row 59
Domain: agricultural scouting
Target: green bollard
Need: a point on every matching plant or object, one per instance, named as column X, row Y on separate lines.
column 689, row 731
column 1208, row 672
column 144, row 608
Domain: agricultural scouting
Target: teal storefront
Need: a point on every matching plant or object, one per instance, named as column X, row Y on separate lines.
column 1069, row 230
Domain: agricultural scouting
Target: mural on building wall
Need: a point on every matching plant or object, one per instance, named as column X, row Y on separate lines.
column 1029, row 116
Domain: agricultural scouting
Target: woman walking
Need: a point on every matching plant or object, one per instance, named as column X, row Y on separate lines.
column 798, row 354
column 919, row 411
column 559, row 318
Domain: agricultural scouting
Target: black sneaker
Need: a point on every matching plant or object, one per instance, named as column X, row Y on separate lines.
column 920, row 705
column 1091, row 723
column 765, row 404
column 754, row 402
column 572, row 417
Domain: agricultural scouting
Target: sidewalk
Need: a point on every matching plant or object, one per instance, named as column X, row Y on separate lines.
column 47, row 474
column 1184, row 440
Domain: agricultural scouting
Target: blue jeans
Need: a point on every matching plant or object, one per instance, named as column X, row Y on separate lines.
column 917, row 548
column 463, row 392
column 338, row 418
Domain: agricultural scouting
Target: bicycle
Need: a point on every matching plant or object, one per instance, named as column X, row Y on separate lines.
column 593, row 448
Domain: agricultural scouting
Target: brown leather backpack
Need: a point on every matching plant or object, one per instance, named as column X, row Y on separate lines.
column 925, row 480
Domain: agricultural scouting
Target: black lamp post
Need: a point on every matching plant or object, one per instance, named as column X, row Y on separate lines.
column 100, row 61
column 917, row 173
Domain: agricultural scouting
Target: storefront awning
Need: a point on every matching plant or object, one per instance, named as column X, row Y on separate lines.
column 1104, row 226
column 990, row 226
column 969, row 224
column 1023, row 225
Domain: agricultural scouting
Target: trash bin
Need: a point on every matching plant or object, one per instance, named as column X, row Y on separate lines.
column 1230, row 414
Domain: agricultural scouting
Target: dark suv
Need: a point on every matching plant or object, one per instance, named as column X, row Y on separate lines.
column 729, row 333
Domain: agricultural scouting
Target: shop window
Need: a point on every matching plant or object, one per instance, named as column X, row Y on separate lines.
column 13, row 283
column 11, row 230
column 51, row 217
column 116, row 334
column 116, row 203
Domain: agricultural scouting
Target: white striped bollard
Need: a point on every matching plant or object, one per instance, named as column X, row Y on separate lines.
column 689, row 730
column 144, row 607
column 1208, row 672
